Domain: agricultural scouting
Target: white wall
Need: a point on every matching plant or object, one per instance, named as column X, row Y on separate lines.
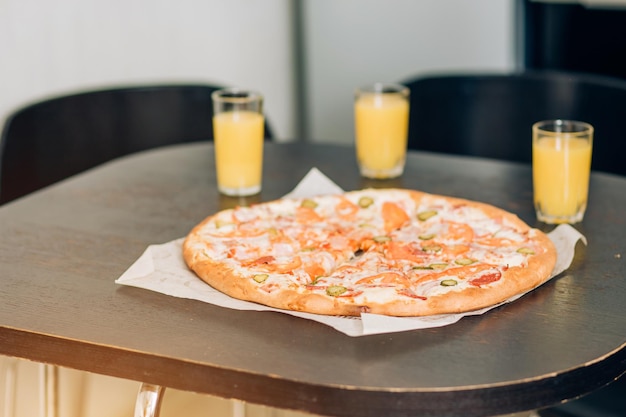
column 54, row 47
column 355, row 42
column 50, row 47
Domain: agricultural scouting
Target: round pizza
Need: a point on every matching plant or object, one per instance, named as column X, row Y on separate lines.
column 384, row 251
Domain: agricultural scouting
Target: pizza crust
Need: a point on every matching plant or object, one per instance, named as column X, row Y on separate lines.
column 234, row 278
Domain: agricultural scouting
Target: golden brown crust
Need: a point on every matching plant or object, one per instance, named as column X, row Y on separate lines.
column 514, row 280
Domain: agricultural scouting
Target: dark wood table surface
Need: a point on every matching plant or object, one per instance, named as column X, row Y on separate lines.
column 61, row 250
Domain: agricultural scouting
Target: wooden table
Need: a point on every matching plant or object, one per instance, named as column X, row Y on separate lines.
column 61, row 250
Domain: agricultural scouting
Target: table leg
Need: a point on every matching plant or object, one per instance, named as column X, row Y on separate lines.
column 49, row 390
column 149, row 400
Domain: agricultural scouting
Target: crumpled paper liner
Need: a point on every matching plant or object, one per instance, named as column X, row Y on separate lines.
column 161, row 268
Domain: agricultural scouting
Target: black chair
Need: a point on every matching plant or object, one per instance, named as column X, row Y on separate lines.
column 491, row 115
column 51, row 140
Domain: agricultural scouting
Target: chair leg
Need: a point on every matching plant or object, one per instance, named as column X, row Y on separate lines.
column 148, row 402
column 239, row 408
column 49, row 390
column 10, row 383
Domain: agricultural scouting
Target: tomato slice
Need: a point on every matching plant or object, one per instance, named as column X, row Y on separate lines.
column 486, row 278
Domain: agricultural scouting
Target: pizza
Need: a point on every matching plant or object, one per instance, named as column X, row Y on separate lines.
column 395, row 252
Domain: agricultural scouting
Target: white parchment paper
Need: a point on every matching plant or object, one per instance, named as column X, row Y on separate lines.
column 161, row 268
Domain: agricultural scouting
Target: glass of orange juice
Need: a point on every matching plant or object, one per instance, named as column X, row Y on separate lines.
column 561, row 168
column 238, row 129
column 381, row 120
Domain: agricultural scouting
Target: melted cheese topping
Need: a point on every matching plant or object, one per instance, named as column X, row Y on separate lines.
column 371, row 245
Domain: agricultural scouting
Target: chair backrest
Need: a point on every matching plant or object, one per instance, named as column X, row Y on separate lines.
column 491, row 115
column 54, row 139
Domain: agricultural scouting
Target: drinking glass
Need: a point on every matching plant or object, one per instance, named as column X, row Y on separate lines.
column 381, row 119
column 561, row 168
column 238, row 125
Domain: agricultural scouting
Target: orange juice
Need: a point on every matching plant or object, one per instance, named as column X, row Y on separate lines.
column 238, row 151
column 561, row 165
column 381, row 127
